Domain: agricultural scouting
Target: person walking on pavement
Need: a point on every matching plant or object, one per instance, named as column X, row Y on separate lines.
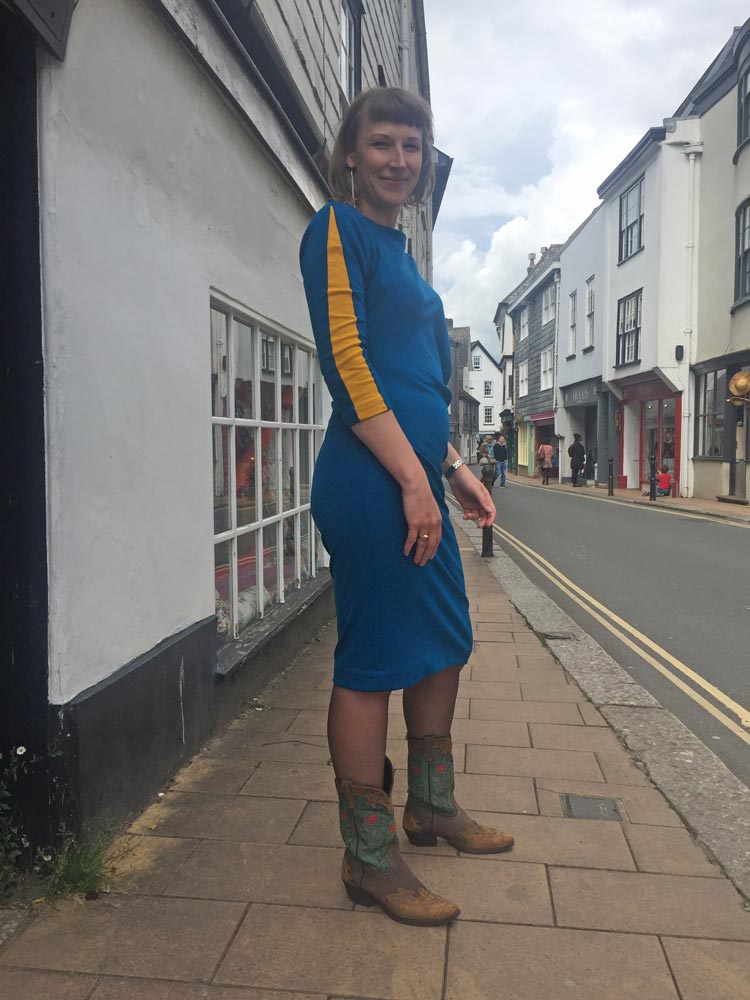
column 500, row 454
column 577, row 455
column 379, row 502
column 544, row 454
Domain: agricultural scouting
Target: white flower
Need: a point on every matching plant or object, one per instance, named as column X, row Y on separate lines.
column 24, row 841
column 20, row 751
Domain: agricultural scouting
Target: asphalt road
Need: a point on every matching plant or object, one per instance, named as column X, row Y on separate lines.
column 681, row 581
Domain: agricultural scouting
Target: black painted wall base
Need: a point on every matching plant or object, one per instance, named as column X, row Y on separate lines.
column 121, row 741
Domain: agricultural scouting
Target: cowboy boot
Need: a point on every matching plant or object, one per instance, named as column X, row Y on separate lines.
column 431, row 808
column 373, row 870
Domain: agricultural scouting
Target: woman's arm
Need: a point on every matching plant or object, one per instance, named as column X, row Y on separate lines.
column 383, row 435
column 469, row 491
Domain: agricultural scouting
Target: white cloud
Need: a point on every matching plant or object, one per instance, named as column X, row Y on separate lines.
column 603, row 72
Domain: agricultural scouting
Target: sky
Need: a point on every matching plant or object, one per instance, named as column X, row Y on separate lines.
column 537, row 103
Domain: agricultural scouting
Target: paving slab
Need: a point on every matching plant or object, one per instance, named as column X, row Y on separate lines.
column 219, row 817
column 292, row 781
column 668, row 851
column 284, row 948
column 591, row 715
column 519, row 711
column 487, row 961
column 498, row 690
column 144, row 865
column 710, row 970
column 496, row 793
column 134, row 989
column 652, row 904
column 259, row 873
column 555, row 737
column 578, row 843
column 510, row 893
column 641, row 804
column 181, row 939
column 21, row 984
column 217, row 775
column 561, row 693
column 618, row 768
column 578, row 765
column 491, row 732
column 508, row 674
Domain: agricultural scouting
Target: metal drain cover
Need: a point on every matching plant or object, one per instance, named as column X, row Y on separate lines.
column 590, row 807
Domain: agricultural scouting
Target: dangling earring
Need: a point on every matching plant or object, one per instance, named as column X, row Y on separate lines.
column 351, row 178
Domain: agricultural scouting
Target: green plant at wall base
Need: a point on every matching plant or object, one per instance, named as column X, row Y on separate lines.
column 75, row 866
column 12, row 840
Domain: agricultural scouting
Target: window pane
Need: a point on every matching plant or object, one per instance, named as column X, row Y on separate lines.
column 287, row 383
column 270, row 564
column 268, row 377
column 222, row 511
column 222, row 591
column 247, row 580
column 287, row 469
column 219, row 376
column 304, row 543
column 269, row 453
column 303, row 387
column 244, row 364
column 290, row 572
column 305, row 466
column 244, row 450
column 317, row 395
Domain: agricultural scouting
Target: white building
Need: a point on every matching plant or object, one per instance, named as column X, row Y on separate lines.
column 486, row 384
column 649, row 219
column 167, row 402
column 582, row 404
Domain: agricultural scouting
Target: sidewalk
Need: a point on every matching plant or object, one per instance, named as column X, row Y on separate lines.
column 229, row 887
column 692, row 505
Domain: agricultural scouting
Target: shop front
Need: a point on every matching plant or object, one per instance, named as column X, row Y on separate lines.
column 581, row 407
column 650, row 422
column 544, row 433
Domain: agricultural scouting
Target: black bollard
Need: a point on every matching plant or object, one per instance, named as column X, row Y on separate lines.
column 611, row 477
column 652, row 478
column 487, row 542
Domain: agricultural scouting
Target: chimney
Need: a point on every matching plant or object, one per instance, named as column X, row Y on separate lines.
column 544, row 251
column 532, row 262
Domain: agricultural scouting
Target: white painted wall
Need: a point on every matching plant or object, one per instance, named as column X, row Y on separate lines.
column 489, row 372
column 153, row 191
column 582, row 257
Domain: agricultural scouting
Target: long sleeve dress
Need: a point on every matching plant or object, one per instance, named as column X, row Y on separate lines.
column 383, row 345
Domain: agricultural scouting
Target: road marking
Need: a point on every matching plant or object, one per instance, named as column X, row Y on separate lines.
column 640, row 506
column 606, row 618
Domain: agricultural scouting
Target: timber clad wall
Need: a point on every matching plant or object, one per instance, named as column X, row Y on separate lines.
column 530, row 350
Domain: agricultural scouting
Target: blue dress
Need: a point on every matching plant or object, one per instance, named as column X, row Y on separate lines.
column 383, row 344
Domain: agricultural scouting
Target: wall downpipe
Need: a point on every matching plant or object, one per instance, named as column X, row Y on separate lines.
column 692, row 152
column 405, row 43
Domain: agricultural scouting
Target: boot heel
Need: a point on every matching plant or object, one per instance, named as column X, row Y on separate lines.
column 421, row 839
column 358, row 896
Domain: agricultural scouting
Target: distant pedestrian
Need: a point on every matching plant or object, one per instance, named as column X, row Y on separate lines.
column 500, row 454
column 487, row 472
column 577, row 454
column 544, row 454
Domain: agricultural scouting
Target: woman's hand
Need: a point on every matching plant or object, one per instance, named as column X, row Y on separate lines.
column 473, row 497
column 424, row 521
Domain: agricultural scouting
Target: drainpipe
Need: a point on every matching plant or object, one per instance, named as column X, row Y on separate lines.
column 554, row 368
column 405, row 43
column 692, row 152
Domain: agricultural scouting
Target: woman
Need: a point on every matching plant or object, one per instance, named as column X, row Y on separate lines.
column 401, row 604
column 544, row 454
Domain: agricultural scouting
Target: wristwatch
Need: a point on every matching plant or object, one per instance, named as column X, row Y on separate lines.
column 452, row 468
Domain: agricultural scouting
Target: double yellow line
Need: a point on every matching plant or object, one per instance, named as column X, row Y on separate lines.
column 639, row 643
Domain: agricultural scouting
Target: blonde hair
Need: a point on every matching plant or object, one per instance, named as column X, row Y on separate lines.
column 383, row 104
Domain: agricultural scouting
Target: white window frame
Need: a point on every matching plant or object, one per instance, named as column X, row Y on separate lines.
column 573, row 306
column 549, row 297
column 546, row 369
column 590, row 309
column 523, row 379
column 347, row 49
column 476, row 361
column 489, row 412
column 524, row 331
column 222, row 367
column 488, row 387
column 629, row 318
column 632, row 212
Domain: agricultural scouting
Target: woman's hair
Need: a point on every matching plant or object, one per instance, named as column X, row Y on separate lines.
column 383, row 104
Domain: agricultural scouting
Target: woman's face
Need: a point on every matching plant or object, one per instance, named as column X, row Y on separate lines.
column 387, row 160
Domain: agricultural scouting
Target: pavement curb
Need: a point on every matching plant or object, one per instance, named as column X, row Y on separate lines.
column 712, row 802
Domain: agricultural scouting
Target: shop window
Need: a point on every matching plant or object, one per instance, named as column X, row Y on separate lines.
column 265, row 419
column 711, row 395
column 629, row 329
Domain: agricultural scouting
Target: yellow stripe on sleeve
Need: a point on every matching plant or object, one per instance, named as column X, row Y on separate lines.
column 345, row 343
